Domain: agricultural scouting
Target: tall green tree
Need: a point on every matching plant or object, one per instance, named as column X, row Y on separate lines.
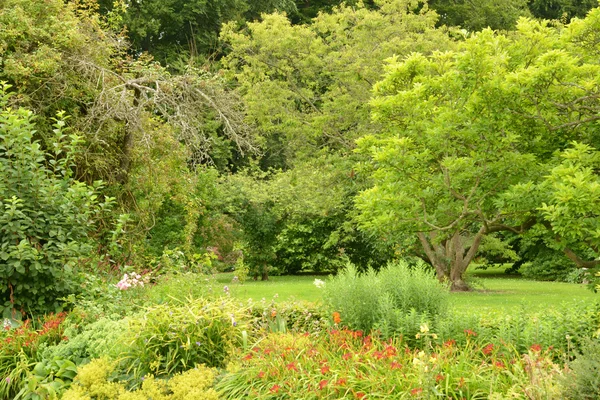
column 306, row 88
column 175, row 30
column 480, row 14
column 470, row 137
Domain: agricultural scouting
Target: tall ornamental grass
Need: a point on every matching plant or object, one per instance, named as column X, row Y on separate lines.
column 386, row 299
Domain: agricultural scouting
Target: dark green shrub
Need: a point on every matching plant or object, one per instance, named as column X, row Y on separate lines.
column 45, row 214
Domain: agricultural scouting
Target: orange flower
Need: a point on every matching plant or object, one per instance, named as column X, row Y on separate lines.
column 337, row 318
column 275, row 388
column 487, row 350
column 292, row 366
column 360, row 395
column 273, row 313
column 450, row 343
column 416, row 391
column 323, row 383
column 536, row 348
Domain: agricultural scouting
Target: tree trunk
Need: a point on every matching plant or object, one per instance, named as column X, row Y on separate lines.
column 264, row 273
column 450, row 257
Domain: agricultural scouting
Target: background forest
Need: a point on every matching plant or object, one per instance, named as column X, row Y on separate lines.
column 292, row 137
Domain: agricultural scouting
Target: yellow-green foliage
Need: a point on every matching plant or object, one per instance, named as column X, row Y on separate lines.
column 92, row 382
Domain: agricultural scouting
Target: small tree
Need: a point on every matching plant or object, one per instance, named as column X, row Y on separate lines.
column 45, row 215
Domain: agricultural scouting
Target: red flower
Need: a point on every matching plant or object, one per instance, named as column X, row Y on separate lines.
column 395, row 365
column 378, row 355
column 261, row 374
column 292, row 366
column 499, row 364
column 248, row 356
column 416, row 391
column 324, row 369
column 323, row 383
column 470, row 332
column 487, row 350
column 341, row 381
column 390, row 351
column 439, row 377
column 536, row 348
column 450, row 343
column 360, row 395
column 347, row 356
column 337, row 318
column 275, row 388
column 357, row 334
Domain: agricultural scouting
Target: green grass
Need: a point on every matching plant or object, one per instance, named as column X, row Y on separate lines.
column 499, row 292
column 495, row 291
column 278, row 288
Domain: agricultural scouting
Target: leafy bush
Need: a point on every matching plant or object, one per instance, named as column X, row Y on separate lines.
column 167, row 339
column 45, row 214
column 295, row 316
column 584, row 383
column 96, row 380
column 370, row 300
column 548, row 266
column 104, row 337
column 48, row 379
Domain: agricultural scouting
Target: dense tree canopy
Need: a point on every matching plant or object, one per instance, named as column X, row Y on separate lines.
column 474, row 138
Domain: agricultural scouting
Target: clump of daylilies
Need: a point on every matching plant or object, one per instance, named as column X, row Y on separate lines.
column 352, row 364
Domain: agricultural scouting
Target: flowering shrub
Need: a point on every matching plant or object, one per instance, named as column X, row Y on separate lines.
column 295, row 316
column 352, row 365
column 129, row 281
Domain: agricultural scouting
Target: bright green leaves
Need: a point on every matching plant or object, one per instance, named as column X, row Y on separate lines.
column 309, row 86
column 469, row 136
column 572, row 206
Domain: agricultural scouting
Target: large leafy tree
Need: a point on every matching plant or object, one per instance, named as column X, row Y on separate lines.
column 306, row 87
column 306, row 90
column 471, row 137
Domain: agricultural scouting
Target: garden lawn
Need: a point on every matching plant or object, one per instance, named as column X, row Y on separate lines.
column 495, row 292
